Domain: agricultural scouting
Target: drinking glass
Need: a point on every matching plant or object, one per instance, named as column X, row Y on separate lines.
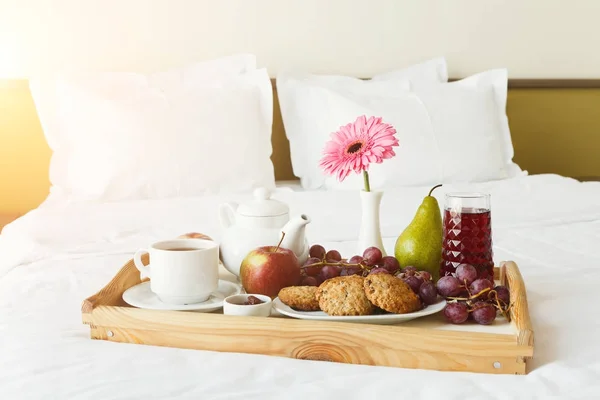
column 467, row 236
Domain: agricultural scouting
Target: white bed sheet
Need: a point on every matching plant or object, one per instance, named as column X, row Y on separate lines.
column 59, row 254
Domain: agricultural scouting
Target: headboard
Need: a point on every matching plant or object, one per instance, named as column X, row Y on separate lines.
column 554, row 123
column 555, row 128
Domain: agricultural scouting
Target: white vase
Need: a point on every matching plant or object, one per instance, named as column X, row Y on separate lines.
column 370, row 230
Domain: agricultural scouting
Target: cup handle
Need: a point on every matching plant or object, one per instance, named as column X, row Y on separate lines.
column 137, row 261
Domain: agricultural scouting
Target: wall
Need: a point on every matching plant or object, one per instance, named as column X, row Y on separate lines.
column 24, row 154
column 532, row 38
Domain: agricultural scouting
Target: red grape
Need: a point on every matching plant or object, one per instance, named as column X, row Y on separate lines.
column 351, row 271
column 503, row 294
column 480, row 285
column 317, row 251
column 484, row 313
column 449, row 286
column 410, row 270
column 372, row 255
column 466, row 272
column 426, row 276
column 330, row 271
column 485, row 274
column 355, row 260
column 428, row 292
column 414, row 283
column 390, row 263
column 309, row 281
column 312, row 260
column 379, row 270
column 456, row 313
column 333, row 256
column 313, row 271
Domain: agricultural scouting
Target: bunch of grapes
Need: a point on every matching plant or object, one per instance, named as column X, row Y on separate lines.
column 472, row 297
column 323, row 265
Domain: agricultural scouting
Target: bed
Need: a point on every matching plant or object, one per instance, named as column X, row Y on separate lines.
column 62, row 252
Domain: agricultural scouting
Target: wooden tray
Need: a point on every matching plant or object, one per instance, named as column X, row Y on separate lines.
column 425, row 343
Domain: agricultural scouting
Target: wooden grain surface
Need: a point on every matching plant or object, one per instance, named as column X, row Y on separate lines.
column 394, row 346
column 313, row 348
column 519, row 312
column 112, row 293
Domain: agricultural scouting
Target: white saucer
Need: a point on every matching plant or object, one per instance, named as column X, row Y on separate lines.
column 142, row 297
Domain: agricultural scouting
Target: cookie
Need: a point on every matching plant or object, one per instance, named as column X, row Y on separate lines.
column 300, row 298
column 391, row 294
column 344, row 295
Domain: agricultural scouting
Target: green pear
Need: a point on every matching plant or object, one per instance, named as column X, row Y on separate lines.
column 420, row 244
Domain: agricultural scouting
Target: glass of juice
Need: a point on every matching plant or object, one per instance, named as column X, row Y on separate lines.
column 467, row 234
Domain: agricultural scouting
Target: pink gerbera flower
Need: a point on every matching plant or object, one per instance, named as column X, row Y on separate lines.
column 356, row 145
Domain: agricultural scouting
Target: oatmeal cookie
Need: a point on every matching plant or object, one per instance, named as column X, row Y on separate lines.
column 300, row 298
column 344, row 295
column 391, row 294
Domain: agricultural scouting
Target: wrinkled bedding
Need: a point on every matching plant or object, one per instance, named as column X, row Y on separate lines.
column 62, row 252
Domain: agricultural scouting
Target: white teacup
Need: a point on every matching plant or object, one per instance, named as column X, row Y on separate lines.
column 181, row 271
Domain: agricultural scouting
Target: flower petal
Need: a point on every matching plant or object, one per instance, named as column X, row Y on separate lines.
column 377, row 139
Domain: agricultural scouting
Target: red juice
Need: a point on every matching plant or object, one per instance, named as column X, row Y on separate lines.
column 467, row 239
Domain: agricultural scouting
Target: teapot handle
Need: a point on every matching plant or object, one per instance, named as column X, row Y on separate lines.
column 227, row 214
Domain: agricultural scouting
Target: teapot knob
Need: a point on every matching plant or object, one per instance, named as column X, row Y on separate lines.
column 262, row 193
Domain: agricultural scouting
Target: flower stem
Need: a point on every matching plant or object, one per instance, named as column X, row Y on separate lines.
column 366, row 179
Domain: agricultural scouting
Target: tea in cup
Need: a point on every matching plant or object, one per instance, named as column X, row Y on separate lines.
column 181, row 271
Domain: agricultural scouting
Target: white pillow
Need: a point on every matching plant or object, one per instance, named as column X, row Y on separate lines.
column 420, row 75
column 205, row 128
column 43, row 90
column 308, row 104
column 469, row 119
column 448, row 132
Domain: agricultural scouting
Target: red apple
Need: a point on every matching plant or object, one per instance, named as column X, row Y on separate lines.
column 194, row 235
column 268, row 269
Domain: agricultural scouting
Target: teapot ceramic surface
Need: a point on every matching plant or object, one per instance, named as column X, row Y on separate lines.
column 259, row 223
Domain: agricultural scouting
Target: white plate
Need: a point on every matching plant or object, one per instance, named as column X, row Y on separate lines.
column 383, row 319
column 142, row 297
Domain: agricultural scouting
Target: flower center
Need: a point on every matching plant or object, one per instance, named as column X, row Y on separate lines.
column 354, row 147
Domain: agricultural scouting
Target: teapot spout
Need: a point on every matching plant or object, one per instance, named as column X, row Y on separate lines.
column 295, row 237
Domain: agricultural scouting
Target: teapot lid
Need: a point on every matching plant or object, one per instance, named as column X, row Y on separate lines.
column 263, row 205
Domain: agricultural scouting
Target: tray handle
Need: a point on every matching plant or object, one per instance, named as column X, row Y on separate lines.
column 511, row 277
column 111, row 294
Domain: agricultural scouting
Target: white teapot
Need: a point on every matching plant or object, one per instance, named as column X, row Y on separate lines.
column 259, row 223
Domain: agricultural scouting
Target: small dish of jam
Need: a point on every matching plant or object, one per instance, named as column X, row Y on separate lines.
column 253, row 305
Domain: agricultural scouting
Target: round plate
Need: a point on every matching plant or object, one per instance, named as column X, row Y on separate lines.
column 383, row 319
column 142, row 297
